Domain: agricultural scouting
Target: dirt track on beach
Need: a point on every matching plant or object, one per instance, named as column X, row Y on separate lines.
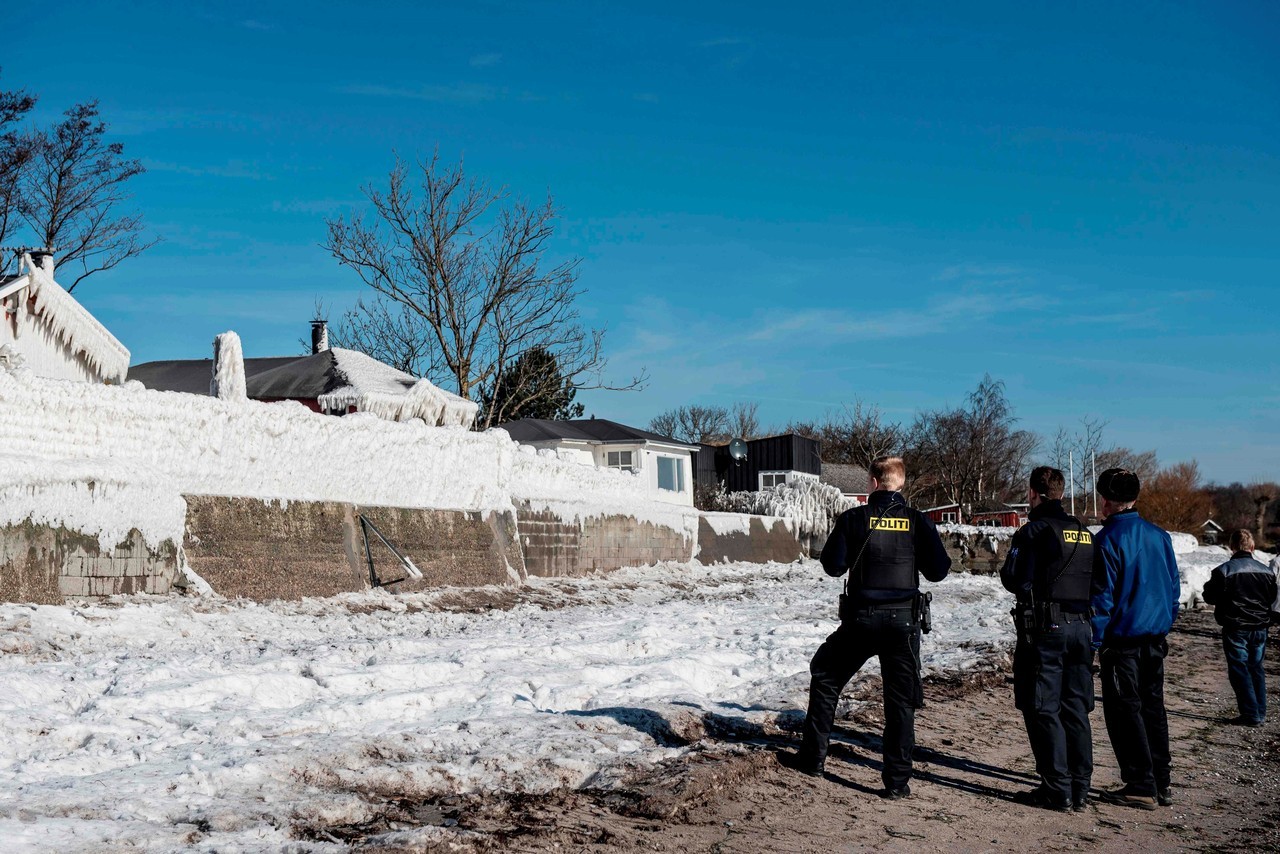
column 731, row 795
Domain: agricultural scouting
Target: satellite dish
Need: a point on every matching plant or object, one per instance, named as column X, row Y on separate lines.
column 738, row 450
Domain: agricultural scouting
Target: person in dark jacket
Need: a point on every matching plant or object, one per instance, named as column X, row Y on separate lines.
column 1242, row 592
column 885, row 546
column 1049, row 569
column 1136, row 587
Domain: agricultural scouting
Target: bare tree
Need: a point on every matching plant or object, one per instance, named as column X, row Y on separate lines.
column 855, row 434
column 72, row 189
column 693, row 424
column 464, row 262
column 15, row 152
column 971, row 454
column 744, row 420
column 1262, row 494
column 393, row 333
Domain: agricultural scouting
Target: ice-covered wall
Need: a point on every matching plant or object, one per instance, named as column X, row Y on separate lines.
column 173, row 444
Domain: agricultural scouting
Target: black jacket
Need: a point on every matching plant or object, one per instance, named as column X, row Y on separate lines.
column 850, row 535
column 1038, row 549
column 1242, row 592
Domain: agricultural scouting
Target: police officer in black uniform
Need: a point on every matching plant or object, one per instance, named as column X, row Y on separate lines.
column 1049, row 569
column 885, row 546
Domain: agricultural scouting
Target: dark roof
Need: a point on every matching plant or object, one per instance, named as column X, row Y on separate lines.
column 849, row 479
column 585, row 430
column 304, row 378
column 193, row 375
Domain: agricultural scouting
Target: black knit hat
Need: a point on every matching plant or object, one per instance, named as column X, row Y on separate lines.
column 1119, row 485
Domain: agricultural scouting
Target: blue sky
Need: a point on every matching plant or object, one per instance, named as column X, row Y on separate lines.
column 795, row 206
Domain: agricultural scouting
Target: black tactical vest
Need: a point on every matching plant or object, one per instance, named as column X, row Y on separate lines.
column 889, row 557
column 1068, row 572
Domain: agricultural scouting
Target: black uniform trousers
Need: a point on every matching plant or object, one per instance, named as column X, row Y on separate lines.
column 1133, row 707
column 1053, row 688
column 892, row 634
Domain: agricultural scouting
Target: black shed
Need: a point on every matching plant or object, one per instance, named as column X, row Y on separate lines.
column 786, row 453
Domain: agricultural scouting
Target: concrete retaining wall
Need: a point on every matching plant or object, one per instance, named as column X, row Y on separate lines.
column 554, row 546
column 248, row 547
column 47, row 565
column 275, row 550
column 979, row 553
column 766, row 538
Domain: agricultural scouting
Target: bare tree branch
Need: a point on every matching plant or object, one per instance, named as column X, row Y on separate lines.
column 462, row 288
column 71, row 190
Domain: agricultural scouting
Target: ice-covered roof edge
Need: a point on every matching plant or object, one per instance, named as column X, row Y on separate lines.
column 74, row 326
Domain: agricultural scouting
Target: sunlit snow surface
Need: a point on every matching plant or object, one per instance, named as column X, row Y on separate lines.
column 140, row 722
column 161, row 723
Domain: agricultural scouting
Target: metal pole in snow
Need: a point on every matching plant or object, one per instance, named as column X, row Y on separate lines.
column 1071, row 463
column 1093, row 460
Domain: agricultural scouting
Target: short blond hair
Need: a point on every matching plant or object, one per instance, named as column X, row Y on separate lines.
column 890, row 472
column 1241, row 541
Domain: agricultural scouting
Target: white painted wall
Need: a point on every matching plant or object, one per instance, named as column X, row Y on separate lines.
column 42, row 353
column 644, row 458
column 649, row 468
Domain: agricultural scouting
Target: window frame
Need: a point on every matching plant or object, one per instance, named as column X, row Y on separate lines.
column 678, row 476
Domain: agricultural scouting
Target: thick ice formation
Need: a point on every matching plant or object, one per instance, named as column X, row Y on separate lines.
column 811, row 505
column 183, row 444
column 228, row 382
column 76, row 327
column 371, row 386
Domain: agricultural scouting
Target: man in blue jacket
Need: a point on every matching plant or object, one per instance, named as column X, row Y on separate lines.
column 1135, row 601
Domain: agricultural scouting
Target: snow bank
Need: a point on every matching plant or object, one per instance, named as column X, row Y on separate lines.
column 185, row 724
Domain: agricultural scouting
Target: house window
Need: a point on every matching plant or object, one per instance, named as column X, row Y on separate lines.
column 949, row 516
column 670, row 474
column 621, row 460
column 770, row 479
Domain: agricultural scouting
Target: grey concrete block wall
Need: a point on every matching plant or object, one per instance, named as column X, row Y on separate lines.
column 557, row 547
column 766, row 539
column 247, row 547
column 47, row 565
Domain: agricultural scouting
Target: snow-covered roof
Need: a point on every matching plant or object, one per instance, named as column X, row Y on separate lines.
column 372, row 386
column 849, row 479
column 336, row 379
column 939, row 507
column 595, row 430
column 1210, row 522
column 71, row 323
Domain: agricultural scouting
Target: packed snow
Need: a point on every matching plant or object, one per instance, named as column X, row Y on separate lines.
column 161, row 724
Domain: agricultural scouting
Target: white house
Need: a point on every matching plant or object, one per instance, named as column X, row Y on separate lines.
column 664, row 463
column 43, row 328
